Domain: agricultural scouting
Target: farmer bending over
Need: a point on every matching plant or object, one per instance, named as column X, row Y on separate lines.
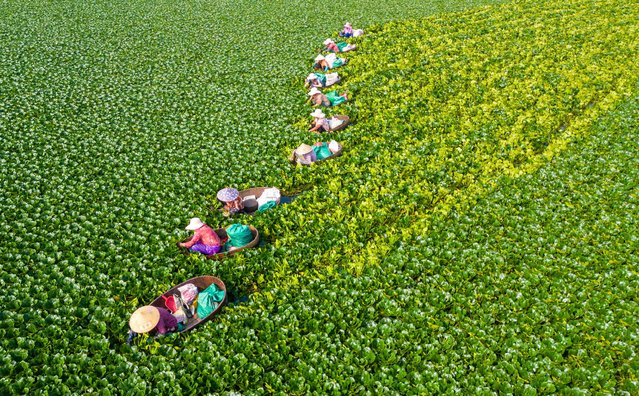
column 204, row 240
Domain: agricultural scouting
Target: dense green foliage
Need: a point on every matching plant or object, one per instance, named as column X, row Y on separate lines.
column 531, row 291
column 477, row 270
column 447, row 105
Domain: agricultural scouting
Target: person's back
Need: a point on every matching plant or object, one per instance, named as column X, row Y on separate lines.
column 304, row 155
column 205, row 240
column 208, row 236
column 348, row 30
column 306, row 159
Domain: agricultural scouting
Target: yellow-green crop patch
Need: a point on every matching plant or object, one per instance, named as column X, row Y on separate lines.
column 444, row 106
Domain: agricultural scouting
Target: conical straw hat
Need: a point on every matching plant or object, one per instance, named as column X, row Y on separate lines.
column 144, row 319
column 303, row 149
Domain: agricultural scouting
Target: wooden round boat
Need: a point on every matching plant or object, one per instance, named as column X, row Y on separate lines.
column 334, row 155
column 353, row 48
column 256, row 191
column 344, row 124
column 201, row 282
column 221, row 232
column 293, row 160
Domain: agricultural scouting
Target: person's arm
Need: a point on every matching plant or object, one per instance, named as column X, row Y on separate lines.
column 238, row 203
column 132, row 335
column 196, row 238
column 160, row 328
column 316, row 126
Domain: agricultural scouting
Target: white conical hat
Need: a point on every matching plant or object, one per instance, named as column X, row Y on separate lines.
column 319, row 57
column 328, row 41
column 314, row 91
column 194, row 224
column 311, row 76
column 318, row 114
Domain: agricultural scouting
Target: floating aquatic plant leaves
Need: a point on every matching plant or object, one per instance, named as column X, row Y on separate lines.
column 117, row 121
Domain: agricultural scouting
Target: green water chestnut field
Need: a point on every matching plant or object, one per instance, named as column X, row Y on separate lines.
column 477, row 236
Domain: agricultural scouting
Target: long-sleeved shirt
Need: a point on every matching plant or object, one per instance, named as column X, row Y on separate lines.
column 167, row 322
column 333, row 47
column 206, row 235
column 234, row 206
column 320, row 100
column 307, row 159
column 318, row 82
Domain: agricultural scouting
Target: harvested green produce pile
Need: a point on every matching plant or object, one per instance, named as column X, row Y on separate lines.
column 481, row 266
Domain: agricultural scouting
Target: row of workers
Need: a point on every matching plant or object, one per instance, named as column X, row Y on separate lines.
column 205, row 240
column 306, row 154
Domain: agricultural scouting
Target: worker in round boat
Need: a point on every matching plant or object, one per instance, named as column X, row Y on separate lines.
column 306, row 155
column 322, row 124
column 205, row 240
column 319, row 80
column 341, row 46
column 332, row 98
column 231, row 199
column 150, row 319
column 349, row 32
column 319, row 123
column 328, row 62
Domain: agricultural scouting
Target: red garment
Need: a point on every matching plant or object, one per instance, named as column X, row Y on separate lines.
column 206, row 235
column 333, row 47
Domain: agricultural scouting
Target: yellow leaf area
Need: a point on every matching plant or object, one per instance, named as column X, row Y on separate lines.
column 445, row 106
